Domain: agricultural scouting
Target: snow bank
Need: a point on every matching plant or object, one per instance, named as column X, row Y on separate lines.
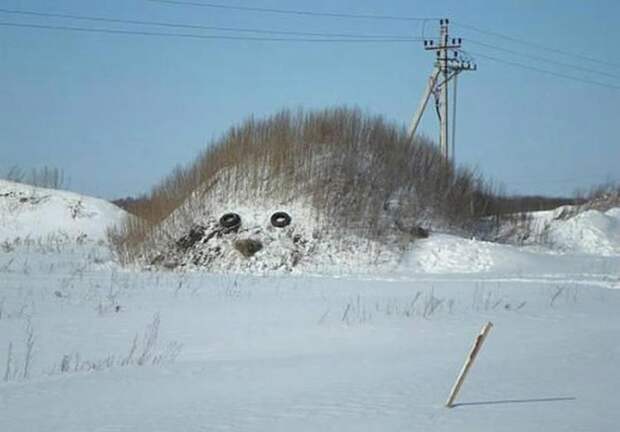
column 312, row 243
column 306, row 245
column 32, row 213
column 447, row 253
column 592, row 232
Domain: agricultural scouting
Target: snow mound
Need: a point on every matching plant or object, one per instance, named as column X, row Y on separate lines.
column 443, row 253
column 306, row 245
column 33, row 213
column 564, row 230
column 591, row 232
column 191, row 238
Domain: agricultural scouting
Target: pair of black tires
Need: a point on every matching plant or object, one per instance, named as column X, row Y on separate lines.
column 233, row 220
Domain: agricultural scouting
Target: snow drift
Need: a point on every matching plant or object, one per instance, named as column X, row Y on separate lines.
column 33, row 213
column 591, row 232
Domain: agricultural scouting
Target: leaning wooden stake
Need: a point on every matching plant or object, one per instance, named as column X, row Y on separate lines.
column 475, row 349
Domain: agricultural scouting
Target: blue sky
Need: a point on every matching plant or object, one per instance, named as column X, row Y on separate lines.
column 118, row 112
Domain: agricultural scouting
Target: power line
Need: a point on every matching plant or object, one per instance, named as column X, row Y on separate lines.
column 533, row 44
column 542, row 59
column 292, row 11
column 196, row 36
column 200, row 27
column 545, row 71
column 409, row 18
column 324, row 37
column 548, row 181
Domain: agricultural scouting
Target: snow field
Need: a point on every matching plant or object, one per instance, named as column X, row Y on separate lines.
column 304, row 353
column 371, row 341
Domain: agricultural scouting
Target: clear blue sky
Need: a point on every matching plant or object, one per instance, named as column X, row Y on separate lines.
column 118, row 112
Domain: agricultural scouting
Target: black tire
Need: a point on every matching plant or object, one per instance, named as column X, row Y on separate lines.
column 280, row 219
column 230, row 220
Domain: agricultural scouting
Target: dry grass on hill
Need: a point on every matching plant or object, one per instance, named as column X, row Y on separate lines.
column 352, row 167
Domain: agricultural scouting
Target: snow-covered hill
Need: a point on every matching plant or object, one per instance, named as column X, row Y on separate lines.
column 32, row 213
column 591, row 232
column 310, row 244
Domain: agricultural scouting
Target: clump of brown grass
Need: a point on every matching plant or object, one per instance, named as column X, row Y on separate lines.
column 350, row 165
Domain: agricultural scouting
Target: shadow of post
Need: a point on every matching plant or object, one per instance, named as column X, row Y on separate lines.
column 516, row 401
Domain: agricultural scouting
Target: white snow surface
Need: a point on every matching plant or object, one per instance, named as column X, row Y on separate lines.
column 372, row 340
column 119, row 350
column 591, row 232
column 29, row 213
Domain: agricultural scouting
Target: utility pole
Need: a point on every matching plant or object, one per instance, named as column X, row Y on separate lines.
column 442, row 56
column 449, row 62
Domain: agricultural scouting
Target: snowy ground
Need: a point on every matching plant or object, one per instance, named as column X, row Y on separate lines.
column 86, row 345
column 302, row 353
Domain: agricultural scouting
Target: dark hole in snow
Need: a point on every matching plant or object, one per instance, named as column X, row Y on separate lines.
column 248, row 247
column 196, row 233
column 421, row 232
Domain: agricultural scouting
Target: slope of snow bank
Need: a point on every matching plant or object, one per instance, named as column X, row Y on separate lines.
column 307, row 245
column 32, row 213
column 591, row 232
column 312, row 243
column 449, row 254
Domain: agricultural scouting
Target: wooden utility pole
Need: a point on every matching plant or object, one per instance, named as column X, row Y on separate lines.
column 442, row 55
column 448, row 64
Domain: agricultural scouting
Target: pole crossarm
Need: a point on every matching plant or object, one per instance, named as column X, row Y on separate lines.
column 450, row 61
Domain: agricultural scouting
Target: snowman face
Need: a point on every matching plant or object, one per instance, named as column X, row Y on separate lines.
column 250, row 239
column 278, row 219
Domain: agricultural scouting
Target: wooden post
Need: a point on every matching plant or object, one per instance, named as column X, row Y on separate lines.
column 475, row 349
